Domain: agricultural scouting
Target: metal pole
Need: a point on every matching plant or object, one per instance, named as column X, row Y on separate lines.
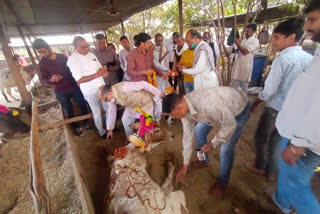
column 180, row 17
column 105, row 35
column 24, row 93
column 35, row 52
column 27, row 47
column 93, row 40
column 122, row 27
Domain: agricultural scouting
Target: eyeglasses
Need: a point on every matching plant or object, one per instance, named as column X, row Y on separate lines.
column 84, row 47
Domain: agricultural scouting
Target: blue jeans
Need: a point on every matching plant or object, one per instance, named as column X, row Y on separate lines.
column 188, row 87
column 226, row 149
column 294, row 187
column 64, row 98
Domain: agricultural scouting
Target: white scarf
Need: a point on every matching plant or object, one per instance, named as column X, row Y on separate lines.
column 185, row 47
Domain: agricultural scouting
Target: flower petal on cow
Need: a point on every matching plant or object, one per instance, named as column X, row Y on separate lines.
column 139, row 143
column 147, row 122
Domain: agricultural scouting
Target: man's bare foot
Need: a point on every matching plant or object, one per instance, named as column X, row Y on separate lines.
column 270, row 190
column 271, row 178
column 198, row 164
column 251, row 167
column 216, row 190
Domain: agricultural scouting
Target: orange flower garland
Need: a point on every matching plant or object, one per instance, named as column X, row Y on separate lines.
column 152, row 79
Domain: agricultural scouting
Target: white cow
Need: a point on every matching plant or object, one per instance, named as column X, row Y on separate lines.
column 132, row 190
column 7, row 82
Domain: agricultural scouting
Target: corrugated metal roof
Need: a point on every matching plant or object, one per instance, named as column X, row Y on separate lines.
column 40, row 17
column 274, row 13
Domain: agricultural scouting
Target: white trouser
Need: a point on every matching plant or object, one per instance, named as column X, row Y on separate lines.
column 126, row 121
column 94, row 103
column 162, row 84
column 240, row 84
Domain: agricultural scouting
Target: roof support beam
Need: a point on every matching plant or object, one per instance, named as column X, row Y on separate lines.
column 25, row 95
column 35, row 52
column 122, row 28
column 94, row 40
column 28, row 49
column 19, row 21
column 180, row 17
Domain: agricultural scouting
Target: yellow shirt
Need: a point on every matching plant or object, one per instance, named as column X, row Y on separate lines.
column 187, row 61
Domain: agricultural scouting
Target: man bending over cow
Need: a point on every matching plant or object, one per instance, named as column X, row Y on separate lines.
column 226, row 107
column 131, row 95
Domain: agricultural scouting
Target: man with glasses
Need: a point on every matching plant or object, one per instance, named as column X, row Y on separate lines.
column 139, row 94
column 89, row 74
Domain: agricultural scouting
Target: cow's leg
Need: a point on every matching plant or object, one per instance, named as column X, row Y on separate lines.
column 167, row 186
column 10, row 94
column 4, row 95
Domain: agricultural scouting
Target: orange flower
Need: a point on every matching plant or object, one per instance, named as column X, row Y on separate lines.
column 153, row 79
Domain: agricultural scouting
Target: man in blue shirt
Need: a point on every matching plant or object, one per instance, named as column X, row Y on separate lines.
column 284, row 70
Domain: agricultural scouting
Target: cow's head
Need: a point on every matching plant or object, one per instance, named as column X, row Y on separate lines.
column 158, row 134
column 131, row 155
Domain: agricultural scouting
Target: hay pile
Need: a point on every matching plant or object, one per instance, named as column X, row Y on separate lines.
column 14, row 171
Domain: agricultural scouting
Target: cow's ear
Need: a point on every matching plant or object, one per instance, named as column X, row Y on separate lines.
column 135, row 126
column 156, row 124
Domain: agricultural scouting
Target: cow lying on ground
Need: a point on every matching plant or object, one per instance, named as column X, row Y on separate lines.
column 132, row 190
column 10, row 122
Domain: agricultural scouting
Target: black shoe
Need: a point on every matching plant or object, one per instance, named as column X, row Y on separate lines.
column 104, row 136
column 89, row 127
column 77, row 132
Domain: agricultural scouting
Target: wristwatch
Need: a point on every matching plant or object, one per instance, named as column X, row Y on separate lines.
column 294, row 151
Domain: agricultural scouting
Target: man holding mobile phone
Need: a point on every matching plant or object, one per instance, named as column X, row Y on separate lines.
column 54, row 71
column 108, row 57
column 89, row 74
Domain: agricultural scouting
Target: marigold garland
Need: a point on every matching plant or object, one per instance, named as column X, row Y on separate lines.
column 152, row 79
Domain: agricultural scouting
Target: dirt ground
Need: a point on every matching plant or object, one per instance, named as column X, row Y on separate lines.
column 245, row 193
column 56, row 162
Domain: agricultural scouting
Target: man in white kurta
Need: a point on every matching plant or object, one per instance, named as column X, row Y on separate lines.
column 89, row 74
column 242, row 67
column 161, row 60
column 203, row 70
column 170, row 45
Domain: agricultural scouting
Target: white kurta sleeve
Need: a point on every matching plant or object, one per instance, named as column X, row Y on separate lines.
column 253, row 45
column 200, row 66
column 161, row 67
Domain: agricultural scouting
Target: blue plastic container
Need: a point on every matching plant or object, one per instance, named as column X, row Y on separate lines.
column 257, row 70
